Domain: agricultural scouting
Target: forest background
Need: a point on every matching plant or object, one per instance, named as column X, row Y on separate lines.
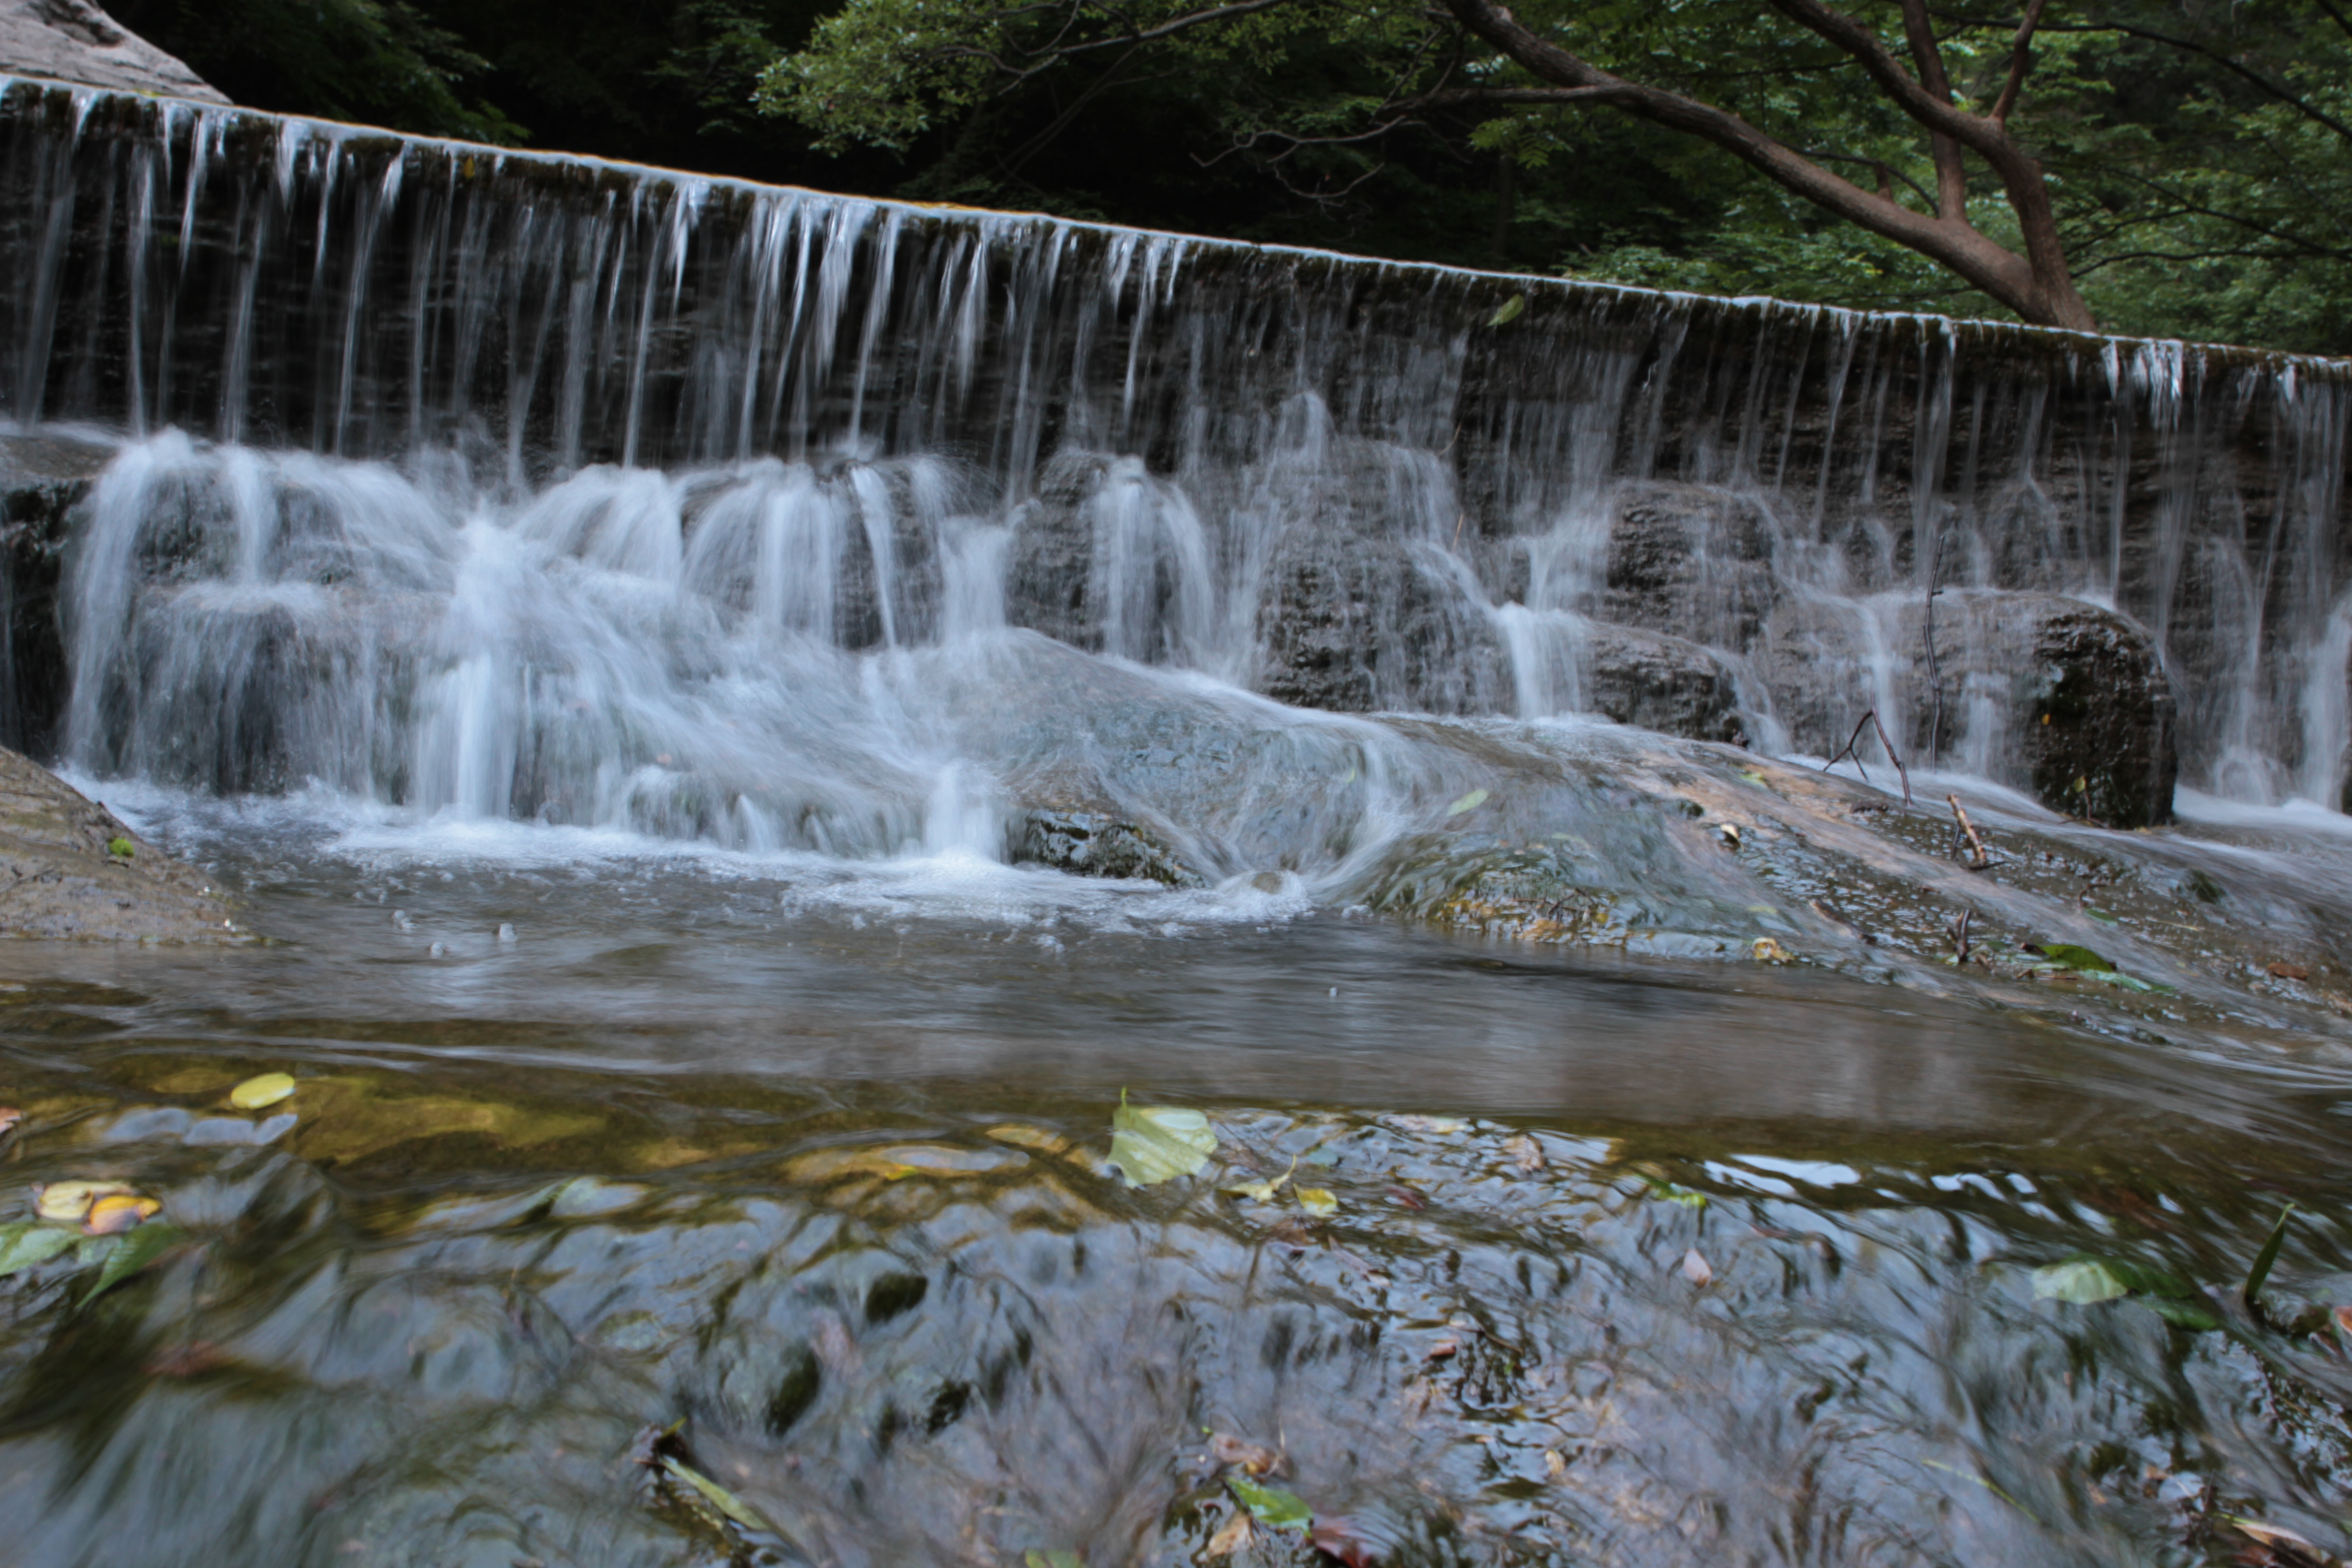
column 2197, row 153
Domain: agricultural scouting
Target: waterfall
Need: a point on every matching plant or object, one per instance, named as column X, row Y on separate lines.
column 507, row 484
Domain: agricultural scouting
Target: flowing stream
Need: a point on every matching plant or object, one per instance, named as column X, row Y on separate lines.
column 751, row 718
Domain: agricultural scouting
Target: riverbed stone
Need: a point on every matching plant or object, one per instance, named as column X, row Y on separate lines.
column 71, row 869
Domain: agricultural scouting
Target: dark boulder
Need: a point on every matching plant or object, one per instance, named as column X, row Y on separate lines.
column 1362, row 624
column 1691, row 561
column 43, row 481
column 1090, row 844
column 1660, row 682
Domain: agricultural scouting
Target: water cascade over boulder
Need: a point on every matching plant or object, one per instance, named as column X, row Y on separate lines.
column 476, row 480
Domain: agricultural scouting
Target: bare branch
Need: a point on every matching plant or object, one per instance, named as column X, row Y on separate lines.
column 2019, row 62
column 1952, row 177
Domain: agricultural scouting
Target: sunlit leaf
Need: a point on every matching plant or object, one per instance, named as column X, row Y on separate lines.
column 134, row 1252
column 1155, row 1144
column 719, row 1496
column 1318, row 1201
column 1471, row 802
column 1262, row 1192
column 2081, row 1280
column 1271, row 1506
column 1673, row 1194
column 68, row 1203
column 23, row 1245
column 1510, row 311
column 267, row 1089
column 119, row 1212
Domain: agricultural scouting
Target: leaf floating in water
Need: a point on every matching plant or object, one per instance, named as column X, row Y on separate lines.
column 1526, row 1153
column 1054, row 1559
column 1695, row 1269
column 1471, row 802
column 254, row 1093
column 68, row 1203
column 2066, row 955
column 9, row 1119
column 1510, row 311
column 1155, row 1144
column 2081, row 1280
column 22, row 1246
column 1318, row 1201
column 1232, row 1537
column 1674, row 1194
column 130, row 1255
column 2283, row 970
column 1271, row 1506
column 1237, row 1454
column 719, row 1496
column 1337, row 1538
column 119, row 1212
column 120, row 847
column 1264, row 1192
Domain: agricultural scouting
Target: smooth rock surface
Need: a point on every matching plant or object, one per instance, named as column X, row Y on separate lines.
column 73, row 40
column 58, row 881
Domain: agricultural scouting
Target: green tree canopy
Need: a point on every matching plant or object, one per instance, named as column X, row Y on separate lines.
column 2157, row 167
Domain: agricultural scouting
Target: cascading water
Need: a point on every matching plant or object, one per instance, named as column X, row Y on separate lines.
column 590, row 446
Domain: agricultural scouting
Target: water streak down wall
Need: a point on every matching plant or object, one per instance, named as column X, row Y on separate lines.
column 1193, row 448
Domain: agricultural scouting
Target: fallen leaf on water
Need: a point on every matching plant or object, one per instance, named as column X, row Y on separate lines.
column 9, row 1117
column 1416, row 1123
column 719, row 1496
column 1524, row 1152
column 68, row 1203
column 195, row 1357
column 1057, row 1558
column 1318, row 1201
column 1694, row 1269
column 23, row 1245
column 130, row 1255
column 2344, row 1321
column 1262, row 1192
column 1238, row 1454
column 1508, row 311
column 1031, row 1138
column 1154, row 1143
column 1555, row 1463
column 2083, row 1281
column 1405, row 1197
column 2285, row 970
column 2066, row 955
column 1292, row 1232
column 267, row 1089
column 1232, row 1537
column 1271, row 1506
column 119, row 1212
column 1443, row 1349
column 1767, row 951
column 1673, row 1194
column 1471, row 802
column 2297, row 1549
column 1337, row 1538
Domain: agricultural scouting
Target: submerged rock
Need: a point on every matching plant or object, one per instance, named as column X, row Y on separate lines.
column 1090, row 844
column 69, row 869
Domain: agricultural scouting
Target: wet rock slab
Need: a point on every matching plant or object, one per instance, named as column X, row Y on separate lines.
column 61, row 877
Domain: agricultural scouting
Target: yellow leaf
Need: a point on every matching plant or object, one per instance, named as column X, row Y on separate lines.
column 119, row 1212
column 1317, row 1201
column 68, row 1203
column 254, row 1093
